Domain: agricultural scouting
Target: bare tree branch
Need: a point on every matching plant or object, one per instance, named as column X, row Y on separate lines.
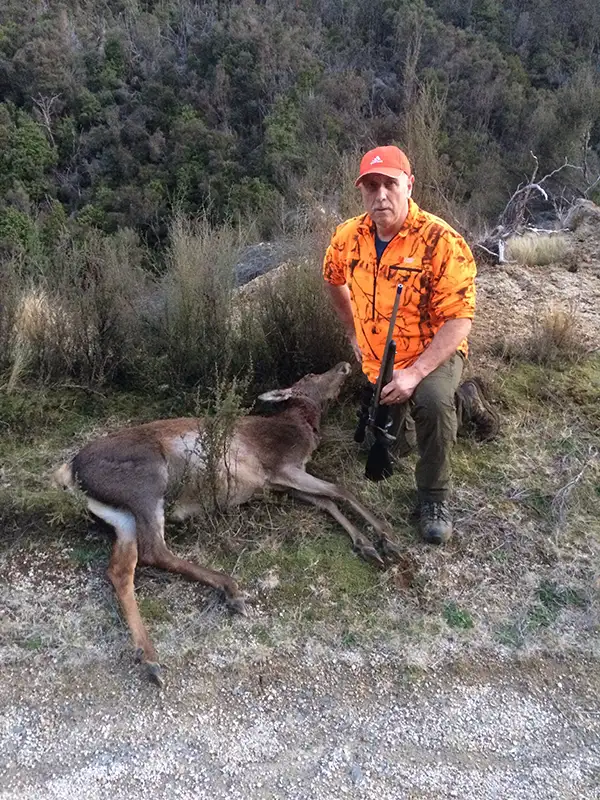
column 45, row 107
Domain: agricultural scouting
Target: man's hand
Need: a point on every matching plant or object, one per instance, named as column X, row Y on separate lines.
column 442, row 346
column 401, row 387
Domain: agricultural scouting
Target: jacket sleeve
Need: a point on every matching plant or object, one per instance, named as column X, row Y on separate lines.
column 453, row 294
column 334, row 267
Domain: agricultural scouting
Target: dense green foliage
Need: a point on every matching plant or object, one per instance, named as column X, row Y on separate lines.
column 116, row 112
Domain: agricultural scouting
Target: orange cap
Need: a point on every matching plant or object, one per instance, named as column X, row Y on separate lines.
column 388, row 160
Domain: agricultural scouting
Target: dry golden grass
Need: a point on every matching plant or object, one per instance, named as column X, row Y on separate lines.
column 36, row 318
column 76, row 318
column 554, row 336
column 533, row 249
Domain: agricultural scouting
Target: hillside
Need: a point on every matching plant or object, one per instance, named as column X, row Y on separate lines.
column 115, row 114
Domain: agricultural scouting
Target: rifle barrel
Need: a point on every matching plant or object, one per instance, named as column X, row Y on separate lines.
column 390, row 336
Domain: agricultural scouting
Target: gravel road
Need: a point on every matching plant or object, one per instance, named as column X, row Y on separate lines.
column 348, row 725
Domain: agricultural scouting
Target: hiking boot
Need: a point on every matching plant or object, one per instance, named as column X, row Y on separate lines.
column 435, row 521
column 476, row 415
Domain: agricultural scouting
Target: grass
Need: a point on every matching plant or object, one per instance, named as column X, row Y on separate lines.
column 546, row 603
column 154, row 609
column 88, row 553
column 457, row 617
column 92, row 313
column 555, row 338
column 534, row 249
column 521, row 572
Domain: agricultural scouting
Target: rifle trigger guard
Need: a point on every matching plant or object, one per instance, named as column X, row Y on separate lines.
column 389, row 437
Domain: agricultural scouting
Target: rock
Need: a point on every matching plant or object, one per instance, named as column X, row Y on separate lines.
column 583, row 211
column 258, row 259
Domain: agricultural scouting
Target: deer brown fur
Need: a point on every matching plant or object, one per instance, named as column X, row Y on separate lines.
column 127, row 475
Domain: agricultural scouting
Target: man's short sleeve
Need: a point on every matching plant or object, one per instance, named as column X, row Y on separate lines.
column 454, row 288
column 334, row 268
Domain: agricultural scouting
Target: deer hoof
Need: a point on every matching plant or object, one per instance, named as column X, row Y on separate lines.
column 391, row 549
column 371, row 555
column 238, row 605
column 154, row 673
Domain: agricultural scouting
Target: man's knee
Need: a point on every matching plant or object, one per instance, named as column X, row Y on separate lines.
column 433, row 401
column 434, row 413
column 434, row 397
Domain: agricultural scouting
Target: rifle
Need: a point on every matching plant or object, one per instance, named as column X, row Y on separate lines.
column 379, row 464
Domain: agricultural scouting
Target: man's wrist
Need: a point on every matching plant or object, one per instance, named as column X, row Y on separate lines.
column 419, row 369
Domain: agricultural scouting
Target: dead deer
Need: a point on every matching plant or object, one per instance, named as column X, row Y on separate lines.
column 127, row 474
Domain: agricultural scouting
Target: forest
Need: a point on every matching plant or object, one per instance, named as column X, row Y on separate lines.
column 146, row 145
column 116, row 113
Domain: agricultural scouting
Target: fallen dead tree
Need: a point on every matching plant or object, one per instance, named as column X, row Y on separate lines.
column 518, row 217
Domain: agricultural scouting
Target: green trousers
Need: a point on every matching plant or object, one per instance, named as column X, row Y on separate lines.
column 429, row 423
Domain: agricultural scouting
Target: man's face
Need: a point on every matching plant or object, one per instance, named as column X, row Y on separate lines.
column 386, row 200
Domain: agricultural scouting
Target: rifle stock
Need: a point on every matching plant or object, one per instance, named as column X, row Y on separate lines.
column 379, row 464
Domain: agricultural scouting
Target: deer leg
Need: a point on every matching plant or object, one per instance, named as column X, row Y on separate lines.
column 154, row 552
column 121, row 571
column 302, row 481
column 165, row 559
column 359, row 542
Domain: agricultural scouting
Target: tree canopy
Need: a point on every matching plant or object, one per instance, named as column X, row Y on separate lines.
column 114, row 112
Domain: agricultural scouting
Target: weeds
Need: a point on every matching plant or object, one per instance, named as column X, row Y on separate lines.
column 214, row 444
column 457, row 617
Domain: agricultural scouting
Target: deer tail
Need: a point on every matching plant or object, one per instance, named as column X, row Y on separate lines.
column 63, row 477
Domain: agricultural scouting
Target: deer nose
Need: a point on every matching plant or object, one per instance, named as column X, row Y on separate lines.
column 344, row 367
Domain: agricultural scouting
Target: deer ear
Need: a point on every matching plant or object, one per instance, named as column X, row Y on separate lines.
column 276, row 395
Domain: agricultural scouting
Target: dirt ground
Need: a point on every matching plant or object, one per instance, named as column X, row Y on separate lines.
column 312, row 721
column 325, row 725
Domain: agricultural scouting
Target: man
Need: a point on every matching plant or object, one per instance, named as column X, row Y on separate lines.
column 397, row 242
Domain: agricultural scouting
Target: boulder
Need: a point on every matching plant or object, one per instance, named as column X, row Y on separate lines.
column 582, row 212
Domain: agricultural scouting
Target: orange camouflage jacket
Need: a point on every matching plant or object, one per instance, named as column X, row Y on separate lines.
column 432, row 262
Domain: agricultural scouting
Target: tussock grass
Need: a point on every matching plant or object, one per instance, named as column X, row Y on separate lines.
column 533, row 249
column 36, row 318
column 76, row 318
column 555, row 337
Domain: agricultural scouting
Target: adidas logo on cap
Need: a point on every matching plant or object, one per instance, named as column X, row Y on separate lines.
column 387, row 160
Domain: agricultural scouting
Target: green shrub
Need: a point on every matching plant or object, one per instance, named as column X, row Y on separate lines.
column 288, row 327
column 193, row 338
